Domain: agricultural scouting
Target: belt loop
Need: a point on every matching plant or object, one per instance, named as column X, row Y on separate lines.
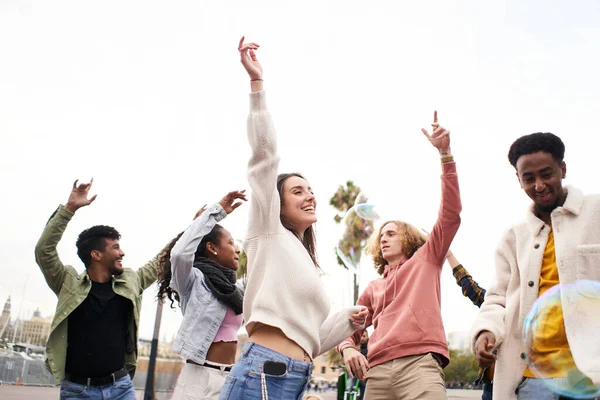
column 89, row 383
column 248, row 348
column 113, row 378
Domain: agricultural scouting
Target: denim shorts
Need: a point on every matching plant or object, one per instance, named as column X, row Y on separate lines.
column 245, row 379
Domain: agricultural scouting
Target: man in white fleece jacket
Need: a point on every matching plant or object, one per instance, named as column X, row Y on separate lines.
column 557, row 243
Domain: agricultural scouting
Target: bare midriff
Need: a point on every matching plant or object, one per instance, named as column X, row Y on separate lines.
column 222, row 352
column 273, row 338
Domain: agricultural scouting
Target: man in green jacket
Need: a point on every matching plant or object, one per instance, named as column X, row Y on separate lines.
column 92, row 347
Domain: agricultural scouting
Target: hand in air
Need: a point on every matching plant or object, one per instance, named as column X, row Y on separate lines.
column 249, row 60
column 231, row 201
column 440, row 137
column 79, row 196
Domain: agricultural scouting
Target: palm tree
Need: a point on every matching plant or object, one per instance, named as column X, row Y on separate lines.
column 357, row 231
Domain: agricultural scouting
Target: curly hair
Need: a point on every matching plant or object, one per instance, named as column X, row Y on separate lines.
column 529, row 144
column 164, row 264
column 93, row 239
column 411, row 237
column 309, row 239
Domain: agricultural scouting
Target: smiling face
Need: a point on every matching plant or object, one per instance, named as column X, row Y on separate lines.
column 298, row 204
column 111, row 258
column 540, row 176
column 227, row 252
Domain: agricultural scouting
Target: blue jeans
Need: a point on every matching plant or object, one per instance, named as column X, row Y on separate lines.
column 488, row 389
column 122, row 389
column 245, row 379
column 539, row 389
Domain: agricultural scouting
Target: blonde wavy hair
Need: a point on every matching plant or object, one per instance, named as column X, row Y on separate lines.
column 412, row 239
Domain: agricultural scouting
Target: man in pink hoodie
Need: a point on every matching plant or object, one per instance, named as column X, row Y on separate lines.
column 408, row 348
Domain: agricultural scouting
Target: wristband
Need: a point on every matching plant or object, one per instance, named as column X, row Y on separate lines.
column 255, row 80
column 445, row 159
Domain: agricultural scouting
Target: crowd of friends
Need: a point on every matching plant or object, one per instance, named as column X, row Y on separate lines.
column 285, row 309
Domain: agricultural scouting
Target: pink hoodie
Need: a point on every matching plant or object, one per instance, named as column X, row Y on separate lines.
column 405, row 305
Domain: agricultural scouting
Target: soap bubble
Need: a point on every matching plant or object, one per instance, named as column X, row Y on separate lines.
column 349, row 261
column 548, row 353
column 366, row 211
column 360, row 198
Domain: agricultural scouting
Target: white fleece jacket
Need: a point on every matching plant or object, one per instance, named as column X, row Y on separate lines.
column 576, row 227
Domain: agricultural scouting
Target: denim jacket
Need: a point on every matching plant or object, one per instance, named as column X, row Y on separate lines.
column 203, row 314
column 72, row 289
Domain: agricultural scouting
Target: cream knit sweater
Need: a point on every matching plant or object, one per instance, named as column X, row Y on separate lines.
column 284, row 288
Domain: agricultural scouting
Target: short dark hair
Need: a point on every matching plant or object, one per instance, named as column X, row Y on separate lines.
column 94, row 239
column 540, row 141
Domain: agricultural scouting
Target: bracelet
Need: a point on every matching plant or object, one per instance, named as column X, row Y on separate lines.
column 445, row 159
column 254, row 80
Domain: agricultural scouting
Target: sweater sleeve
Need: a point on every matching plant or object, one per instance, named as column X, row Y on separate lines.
column 448, row 221
column 336, row 328
column 470, row 288
column 262, row 169
column 365, row 301
column 493, row 310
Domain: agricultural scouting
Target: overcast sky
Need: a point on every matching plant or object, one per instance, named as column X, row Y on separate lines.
column 150, row 99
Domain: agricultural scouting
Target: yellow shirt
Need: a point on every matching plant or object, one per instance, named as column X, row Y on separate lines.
column 550, row 352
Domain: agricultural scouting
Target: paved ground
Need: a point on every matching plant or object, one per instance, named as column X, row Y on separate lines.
column 8, row 392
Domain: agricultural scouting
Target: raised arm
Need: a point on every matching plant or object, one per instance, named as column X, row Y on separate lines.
column 264, row 161
column 448, row 220
column 46, row 255
column 470, row 288
column 183, row 253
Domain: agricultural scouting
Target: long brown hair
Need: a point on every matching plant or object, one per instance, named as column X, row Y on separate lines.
column 412, row 240
column 309, row 238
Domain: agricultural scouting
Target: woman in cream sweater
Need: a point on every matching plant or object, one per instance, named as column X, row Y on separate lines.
column 286, row 309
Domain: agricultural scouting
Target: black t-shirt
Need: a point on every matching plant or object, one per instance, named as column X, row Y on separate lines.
column 97, row 334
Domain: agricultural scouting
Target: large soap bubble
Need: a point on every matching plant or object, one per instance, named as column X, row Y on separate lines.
column 548, row 353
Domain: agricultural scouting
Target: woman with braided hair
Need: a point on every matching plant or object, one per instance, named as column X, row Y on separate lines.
column 198, row 270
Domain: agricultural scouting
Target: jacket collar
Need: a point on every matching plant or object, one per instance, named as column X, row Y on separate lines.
column 85, row 277
column 573, row 204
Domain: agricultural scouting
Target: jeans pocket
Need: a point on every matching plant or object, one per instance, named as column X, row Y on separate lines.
column 227, row 388
column 521, row 385
column 70, row 390
column 124, row 383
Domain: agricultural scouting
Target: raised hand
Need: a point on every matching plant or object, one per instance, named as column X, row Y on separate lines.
column 200, row 211
column 230, row 201
column 440, row 137
column 249, row 60
column 79, row 196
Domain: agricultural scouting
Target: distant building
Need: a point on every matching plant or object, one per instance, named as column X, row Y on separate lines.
column 164, row 349
column 5, row 320
column 36, row 330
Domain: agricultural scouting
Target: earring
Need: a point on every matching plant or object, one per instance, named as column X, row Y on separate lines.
column 215, row 253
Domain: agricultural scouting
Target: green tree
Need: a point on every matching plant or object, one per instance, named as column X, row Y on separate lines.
column 463, row 367
column 242, row 264
column 357, row 230
column 334, row 358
